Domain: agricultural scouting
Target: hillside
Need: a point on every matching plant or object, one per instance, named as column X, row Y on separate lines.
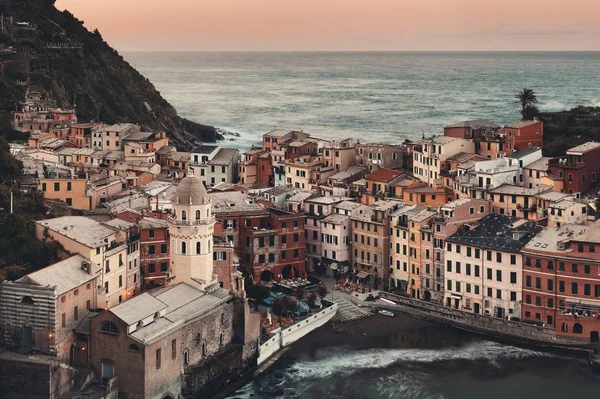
column 75, row 66
column 566, row 129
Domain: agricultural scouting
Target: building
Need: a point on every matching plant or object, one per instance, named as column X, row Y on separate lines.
column 73, row 191
column 484, row 266
column 579, row 169
column 377, row 155
column 315, row 209
column 130, row 232
column 371, row 244
column 474, row 129
column 421, row 194
column 534, row 173
column 222, row 167
column 100, row 243
column 378, row 185
column 276, row 138
column 430, row 157
column 523, row 134
column 306, row 171
column 39, row 311
column 516, row 201
column 561, row 285
column 272, row 246
column 191, row 229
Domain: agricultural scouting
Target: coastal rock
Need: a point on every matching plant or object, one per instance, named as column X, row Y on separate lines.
column 79, row 69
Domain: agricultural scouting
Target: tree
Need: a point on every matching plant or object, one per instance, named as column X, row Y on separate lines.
column 300, row 293
column 284, row 305
column 531, row 111
column 527, row 98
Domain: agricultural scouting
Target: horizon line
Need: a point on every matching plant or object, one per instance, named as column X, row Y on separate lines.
column 359, row 51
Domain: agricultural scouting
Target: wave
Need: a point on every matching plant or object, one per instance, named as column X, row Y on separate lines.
column 347, row 363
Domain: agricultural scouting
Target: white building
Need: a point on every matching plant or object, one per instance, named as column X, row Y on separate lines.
column 430, row 157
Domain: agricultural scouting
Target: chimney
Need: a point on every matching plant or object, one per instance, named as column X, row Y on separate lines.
column 86, row 267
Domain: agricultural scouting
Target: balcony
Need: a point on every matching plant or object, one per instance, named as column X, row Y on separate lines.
column 196, row 222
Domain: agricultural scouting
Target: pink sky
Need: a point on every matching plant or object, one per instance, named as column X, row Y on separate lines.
column 298, row 25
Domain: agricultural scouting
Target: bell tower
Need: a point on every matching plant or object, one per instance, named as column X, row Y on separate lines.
column 191, row 229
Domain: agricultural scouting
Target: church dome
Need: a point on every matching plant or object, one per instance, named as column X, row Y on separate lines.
column 190, row 191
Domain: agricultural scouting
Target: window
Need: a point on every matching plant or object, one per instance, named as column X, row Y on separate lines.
column 120, row 281
column 68, row 186
column 489, row 274
column 574, row 288
column 513, row 296
column 44, row 187
column 151, row 233
column 476, row 270
column 527, row 281
column 163, row 248
column 158, row 359
column 174, row 349
column 56, row 186
column 513, row 259
column 561, row 286
column 513, row 277
column 133, row 348
column 498, row 275
column 586, row 269
column 64, row 320
column 183, row 248
column 499, row 257
column 109, row 327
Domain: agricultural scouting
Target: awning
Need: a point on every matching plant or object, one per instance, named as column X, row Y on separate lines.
column 362, row 274
column 333, row 266
column 458, row 296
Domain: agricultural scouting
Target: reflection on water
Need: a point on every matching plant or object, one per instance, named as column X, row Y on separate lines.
column 429, row 362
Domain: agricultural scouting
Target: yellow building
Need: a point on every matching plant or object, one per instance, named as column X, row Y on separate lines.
column 97, row 242
column 306, row 171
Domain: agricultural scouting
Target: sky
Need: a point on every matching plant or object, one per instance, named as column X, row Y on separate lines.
column 342, row 25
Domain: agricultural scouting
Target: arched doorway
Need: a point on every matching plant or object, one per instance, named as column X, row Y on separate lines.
column 427, row 296
column 577, row 328
column 266, row 276
column 288, row 272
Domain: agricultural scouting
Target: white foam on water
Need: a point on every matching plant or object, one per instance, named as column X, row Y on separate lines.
column 347, row 363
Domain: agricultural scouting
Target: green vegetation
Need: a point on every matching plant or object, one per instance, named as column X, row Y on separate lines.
column 567, row 129
column 20, row 251
column 527, row 98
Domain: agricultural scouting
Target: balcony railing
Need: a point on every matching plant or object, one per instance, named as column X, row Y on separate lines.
column 196, row 222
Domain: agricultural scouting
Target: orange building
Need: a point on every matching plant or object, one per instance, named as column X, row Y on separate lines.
column 421, row 194
column 71, row 191
column 378, row 185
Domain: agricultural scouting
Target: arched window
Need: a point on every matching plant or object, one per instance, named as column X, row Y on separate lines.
column 183, row 215
column 186, row 357
column 133, row 348
column 198, row 215
column 174, row 213
column 577, row 328
column 183, row 248
column 203, row 348
column 198, row 248
column 109, row 327
column 27, row 300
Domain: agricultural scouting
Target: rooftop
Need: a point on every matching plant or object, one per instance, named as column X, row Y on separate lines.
column 139, row 136
column 522, row 124
column 64, row 275
column 182, row 303
column 553, row 196
column 523, row 153
column 461, row 157
column 225, row 203
column 138, row 308
column 497, row 232
column 152, row 223
column 204, row 149
column 456, row 203
column 81, row 229
column 540, row 164
column 589, row 146
column 279, row 190
column 547, row 240
column 475, row 124
column 336, row 218
column 179, row 156
column 518, row 190
column 565, row 204
column 327, row 200
column 347, row 205
column 224, row 157
column 120, row 224
column 278, row 133
column 346, row 173
column 300, row 196
column 384, row 174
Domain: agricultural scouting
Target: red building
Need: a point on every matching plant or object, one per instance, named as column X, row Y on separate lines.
column 81, row 134
column 523, row 134
column 579, row 169
column 154, row 248
column 561, row 281
column 272, row 247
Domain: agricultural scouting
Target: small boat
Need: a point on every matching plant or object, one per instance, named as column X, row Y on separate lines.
column 386, row 313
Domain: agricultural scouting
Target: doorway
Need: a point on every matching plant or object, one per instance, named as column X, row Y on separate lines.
column 27, row 336
column 476, row 308
column 594, row 336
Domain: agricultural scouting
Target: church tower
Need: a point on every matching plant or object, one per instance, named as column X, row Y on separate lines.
column 191, row 228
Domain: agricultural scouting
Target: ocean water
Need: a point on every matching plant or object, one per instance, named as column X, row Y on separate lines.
column 385, row 97
column 430, row 363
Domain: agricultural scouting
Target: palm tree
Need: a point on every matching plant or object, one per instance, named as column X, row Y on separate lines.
column 527, row 98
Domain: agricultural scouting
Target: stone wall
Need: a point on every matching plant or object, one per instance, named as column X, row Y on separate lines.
column 22, row 377
column 495, row 327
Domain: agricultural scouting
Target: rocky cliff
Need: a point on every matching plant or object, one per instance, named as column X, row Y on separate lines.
column 53, row 50
column 567, row 129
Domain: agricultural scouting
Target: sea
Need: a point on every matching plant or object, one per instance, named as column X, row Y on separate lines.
column 385, row 97
column 368, row 96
